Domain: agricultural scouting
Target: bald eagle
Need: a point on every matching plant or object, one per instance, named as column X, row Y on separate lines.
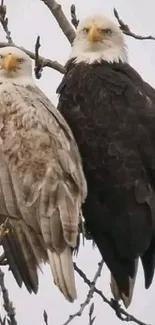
column 42, row 185
column 111, row 112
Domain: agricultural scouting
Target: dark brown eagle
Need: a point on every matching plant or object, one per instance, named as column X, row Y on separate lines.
column 111, row 112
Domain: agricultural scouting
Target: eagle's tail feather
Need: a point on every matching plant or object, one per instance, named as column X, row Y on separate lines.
column 148, row 263
column 118, row 295
column 59, row 219
column 63, row 272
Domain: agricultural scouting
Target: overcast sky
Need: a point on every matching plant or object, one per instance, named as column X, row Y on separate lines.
column 27, row 19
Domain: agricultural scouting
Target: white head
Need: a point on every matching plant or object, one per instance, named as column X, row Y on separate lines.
column 99, row 38
column 15, row 66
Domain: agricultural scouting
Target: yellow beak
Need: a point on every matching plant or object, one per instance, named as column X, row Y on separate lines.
column 9, row 62
column 95, row 34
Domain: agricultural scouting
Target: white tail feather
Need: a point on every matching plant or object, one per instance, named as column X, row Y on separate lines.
column 63, row 272
column 120, row 295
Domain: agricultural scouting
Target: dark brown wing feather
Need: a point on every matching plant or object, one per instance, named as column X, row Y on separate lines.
column 15, row 257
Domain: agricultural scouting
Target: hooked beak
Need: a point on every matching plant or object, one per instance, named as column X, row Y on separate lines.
column 9, row 63
column 95, row 34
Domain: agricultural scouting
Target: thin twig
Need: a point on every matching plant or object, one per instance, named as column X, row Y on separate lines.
column 8, row 305
column 4, row 22
column 91, row 318
column 89, row 295
column 129, row 318
column 45, row 316
column 126, row 30
column 46, row 62
column 74, row 20
column 2, row 321
column 61, row 19
column 38, row 64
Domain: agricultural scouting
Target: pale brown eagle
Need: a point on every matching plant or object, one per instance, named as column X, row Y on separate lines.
column 42, row 185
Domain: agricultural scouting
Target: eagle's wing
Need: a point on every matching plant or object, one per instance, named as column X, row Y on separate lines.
column 42, row 186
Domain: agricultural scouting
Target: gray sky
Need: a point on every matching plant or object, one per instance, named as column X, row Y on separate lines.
column 27, row 19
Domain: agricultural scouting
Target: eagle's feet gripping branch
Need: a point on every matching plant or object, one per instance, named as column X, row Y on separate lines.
column 117, row 308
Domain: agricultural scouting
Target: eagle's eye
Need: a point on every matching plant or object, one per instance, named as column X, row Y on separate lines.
column 86, row 30
column 20, row 60
column 107, row 31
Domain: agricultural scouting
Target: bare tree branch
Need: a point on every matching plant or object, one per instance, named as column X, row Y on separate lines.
column 69, row 32
column 46, row 62
column 126, row 30
column 61, row 19
column 128, row 317
column 89, row 295
column 4, row 22
column 40, row 62
column 8, row 305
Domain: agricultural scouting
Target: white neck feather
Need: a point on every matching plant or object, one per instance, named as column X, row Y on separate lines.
column 109, row 54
